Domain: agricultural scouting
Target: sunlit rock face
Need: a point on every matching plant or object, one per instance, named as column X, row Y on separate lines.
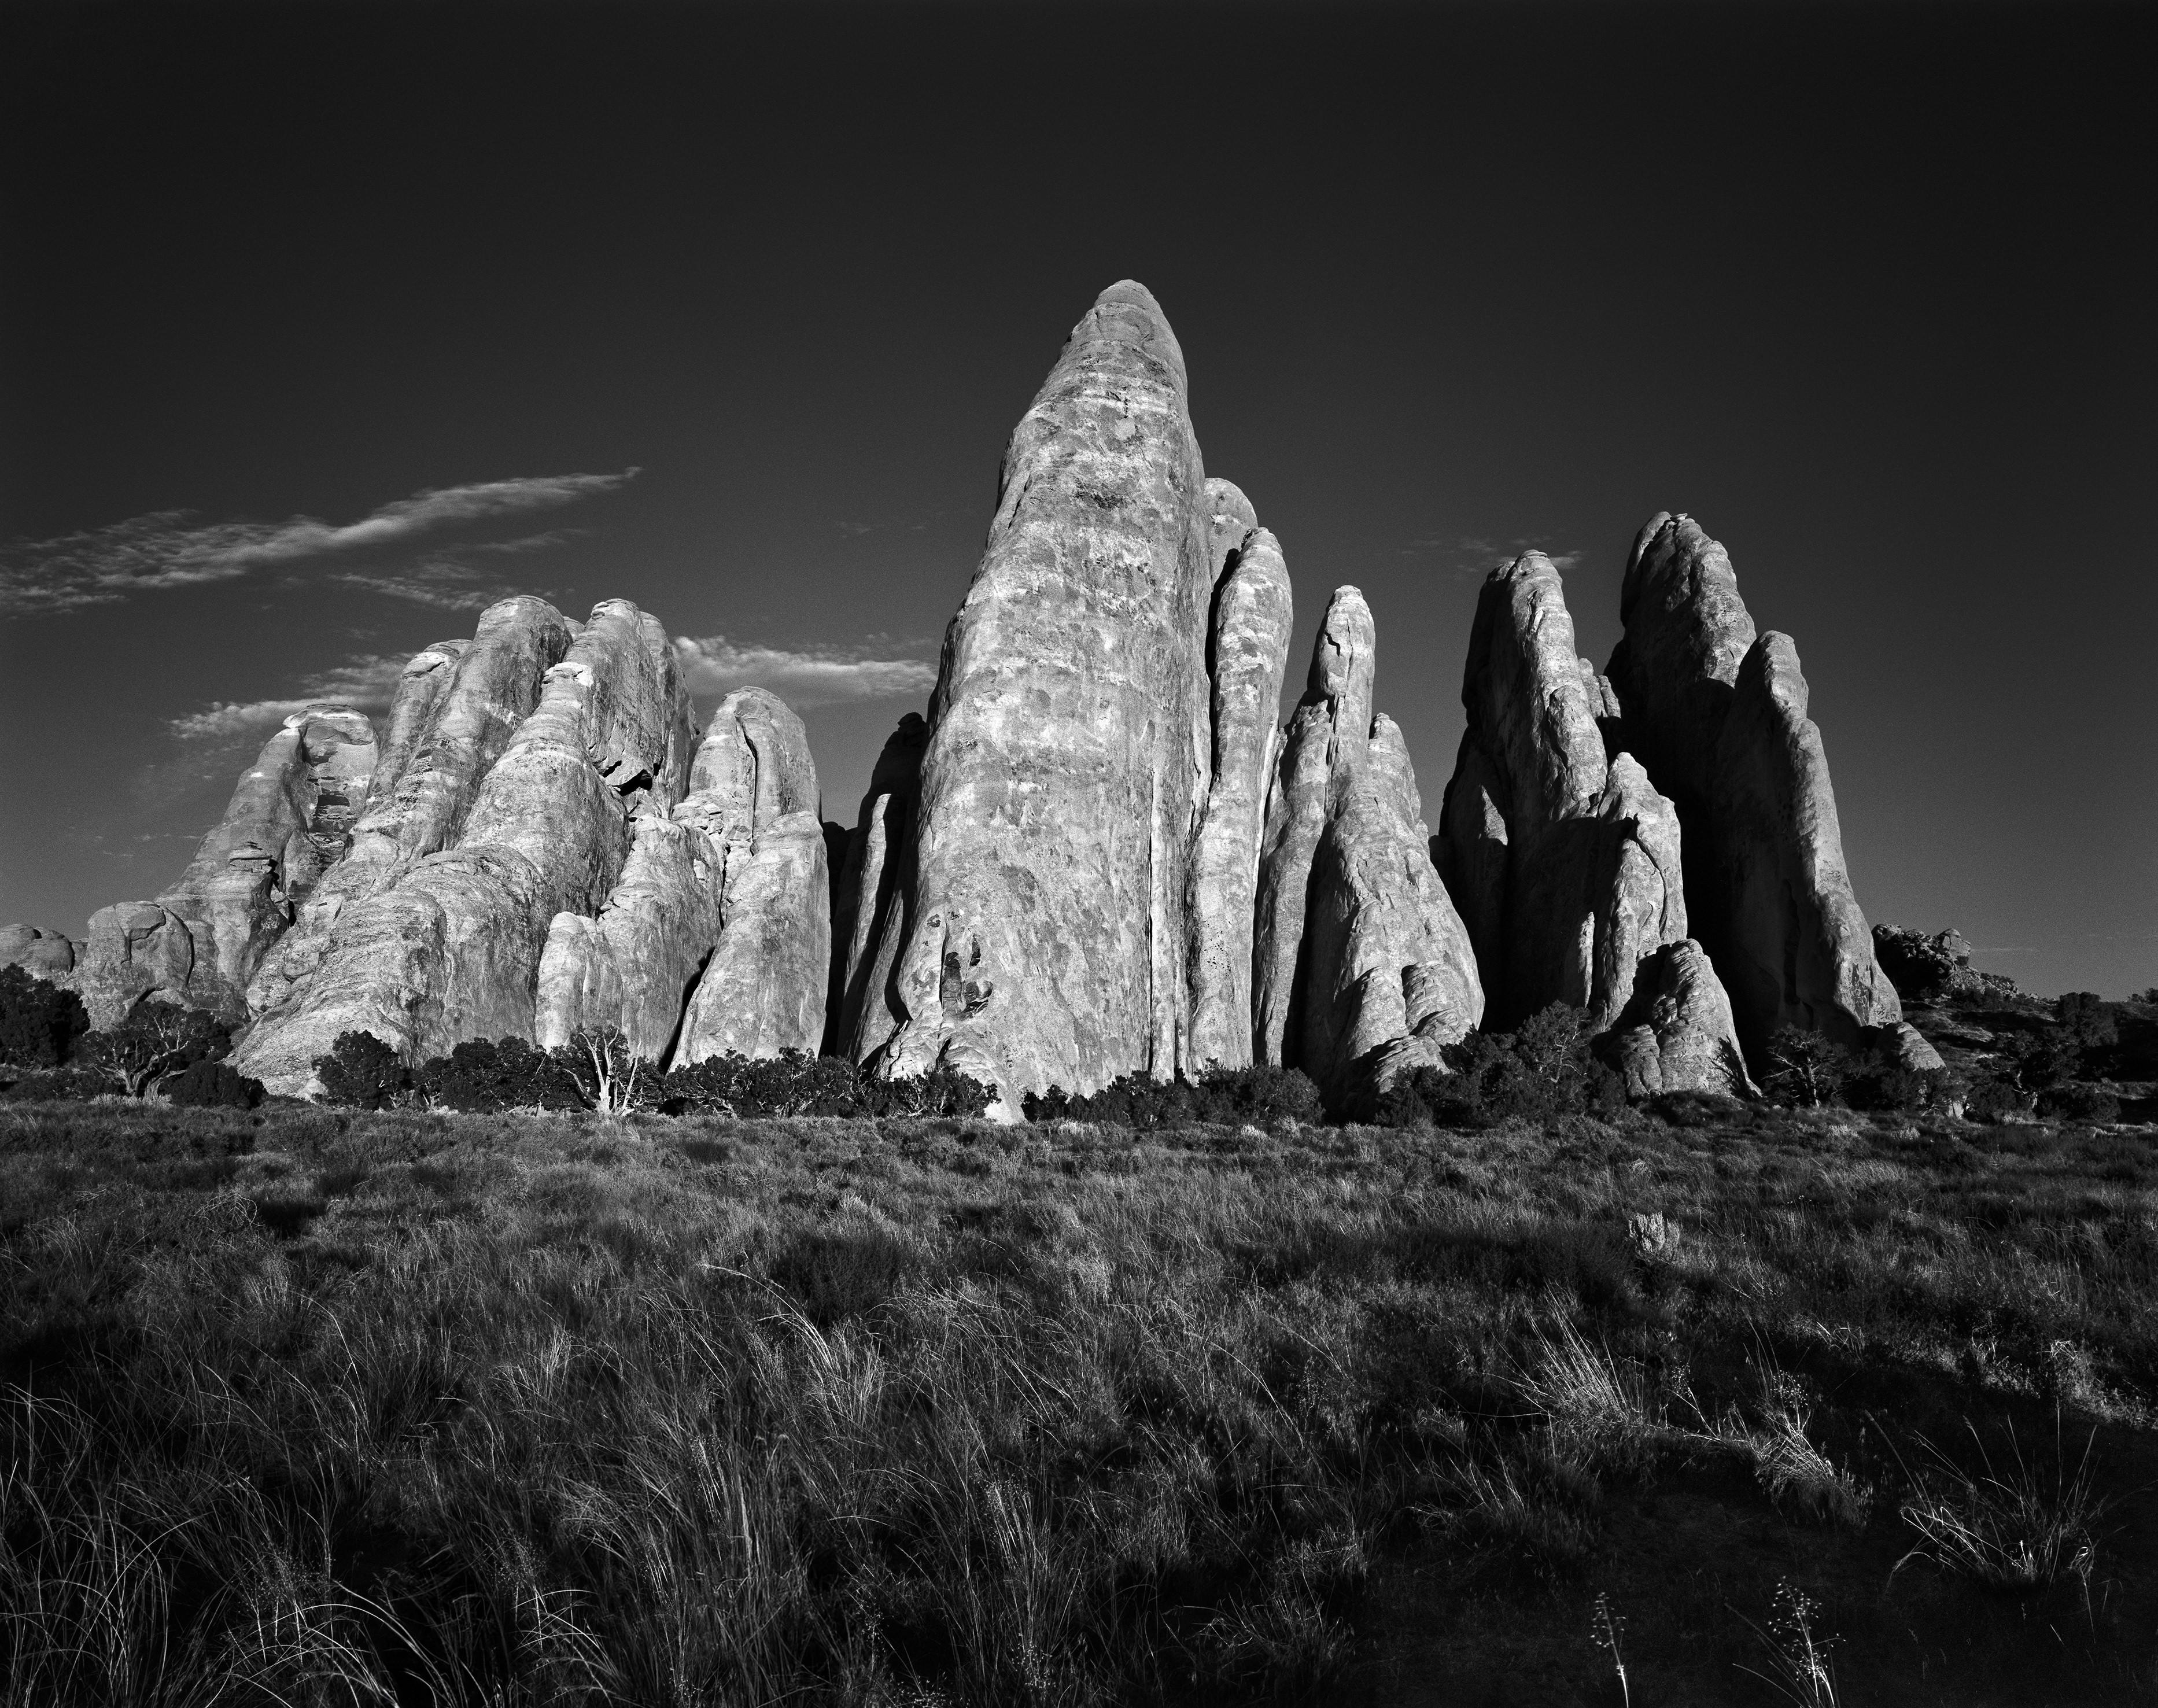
column 1362, row 966
column 1068, row 761
column 1676, row 1033
column 443, row 944
column 201, row 942
column 42, row 954
column 1719, row 715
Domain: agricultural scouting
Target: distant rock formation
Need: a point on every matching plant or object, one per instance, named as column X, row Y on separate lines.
column 1067, row 762
column 1562, row 857
column 1935, row 968
column 441, row 943
column 44, row 954
column 1362, row 966
column 202, row 940
column 1718, row 716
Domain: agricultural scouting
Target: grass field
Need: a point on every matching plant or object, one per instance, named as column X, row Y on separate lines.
column 301, row 1407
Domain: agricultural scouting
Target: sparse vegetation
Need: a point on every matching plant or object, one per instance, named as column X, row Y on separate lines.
column 311, row 1405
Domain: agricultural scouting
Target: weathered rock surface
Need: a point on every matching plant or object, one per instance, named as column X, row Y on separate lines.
column 451, row 949
column 1391, row 977
column 135, row 949
column 869, row 922
column 1323, row 745
column 1717, row 714
column 1362, row 966
column 1935, row 967
column 46, row 954
column 1248, row 652
column 753, row 793
column 1563, row 860
column 1067, row 760
column 1676, row 1033
column 454, row 714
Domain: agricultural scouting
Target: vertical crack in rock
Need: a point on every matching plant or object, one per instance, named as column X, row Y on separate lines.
column 451, row 949
column 1717, row 714
column 873, row 894
column 1073, row 685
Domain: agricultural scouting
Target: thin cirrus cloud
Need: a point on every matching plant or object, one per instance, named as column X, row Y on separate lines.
column 441, row 582
column 819, row 676
column 366, row 683
column 166, row 550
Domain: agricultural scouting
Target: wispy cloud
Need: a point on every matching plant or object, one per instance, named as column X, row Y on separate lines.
column 167, row 548
column 364, row 683
column 817, row 676
column 1471, row 555
column 441, row 582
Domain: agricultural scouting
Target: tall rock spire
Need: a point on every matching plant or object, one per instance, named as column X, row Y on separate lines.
column 1067, row 764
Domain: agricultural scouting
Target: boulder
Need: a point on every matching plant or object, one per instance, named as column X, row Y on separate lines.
column 453, row 715
column 1676, row 1033
column 1248, row 651
column 1562, row 857
column 134, row 949
column 1067, row 759
column 1933, row 969
column 869, row 921
column 1717, row 714
column 451, row 949
column 46, row 954
column 1325, row 743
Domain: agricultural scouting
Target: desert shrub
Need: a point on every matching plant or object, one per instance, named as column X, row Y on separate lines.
column 2079, row 1100
column 1805, row 1069
column 363, row 1072
column 484, row 1078
column 940, row 1091
column 1879, row 1081
column 211, row 1085
column 610, row 1076
column 38, row 1021
column 155, row 1040
column 1223, row 1095
column 1690, row 1108
column 58, row 1085
column 789, row 1083
column 1542, row 1070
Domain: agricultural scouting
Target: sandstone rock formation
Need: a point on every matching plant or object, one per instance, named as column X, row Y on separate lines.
column 1362, row 967
column 201, row 941
column 870, row 921
column 1067, row 762
column 1247, row 650
column 447, row 942
column 46, row 954
column 1718, row 716
column 1562, row 858
column 1676, row 1033
column 1935, row 968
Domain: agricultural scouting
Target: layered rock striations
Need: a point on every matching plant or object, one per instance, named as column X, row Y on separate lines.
column 1563, row 860
column 449, row 946
column 1067, row 763
column 1717, row 713
column 202, row 940
column 1361, row 966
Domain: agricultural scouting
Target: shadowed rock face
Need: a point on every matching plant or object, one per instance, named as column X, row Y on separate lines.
column 288, row 822
column 868, row 923
column 457, row 706
column 1067, row 764
column 1719, row 715
column 1363, row 968
column 451, row 948
column 1248, row 651
column 1564, row 862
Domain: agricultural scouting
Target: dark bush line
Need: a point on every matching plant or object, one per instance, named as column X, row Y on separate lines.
column 1221, row 1096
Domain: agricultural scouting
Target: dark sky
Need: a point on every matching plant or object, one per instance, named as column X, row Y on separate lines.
column 1869, row 292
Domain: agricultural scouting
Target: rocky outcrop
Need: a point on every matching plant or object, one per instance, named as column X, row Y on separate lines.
column 1562, row 858
column 1248, row 651
column 1934, row 968
column 46, row 954
column 869, row 922
column 1676, row 1033
column 1067, row 762
column 1719, row 715
column 201, row 941
column 753, row 794
column 457, row 706
column 1362, row 966
column 451, row 948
